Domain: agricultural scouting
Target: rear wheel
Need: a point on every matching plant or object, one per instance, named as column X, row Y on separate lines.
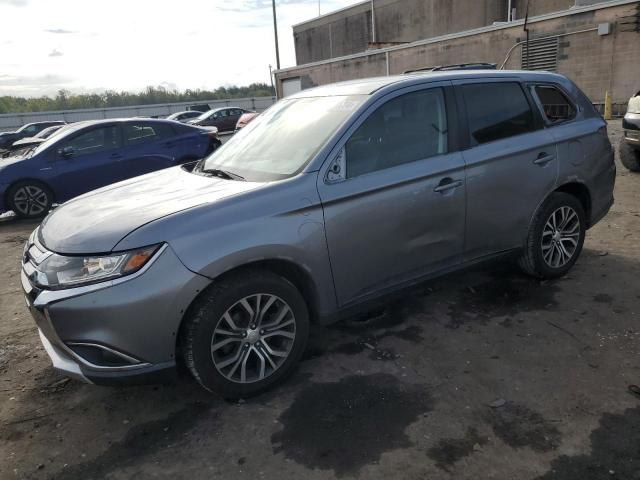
column 629, row 156
column 555, row 237
column 29, row 199
column 245, row 334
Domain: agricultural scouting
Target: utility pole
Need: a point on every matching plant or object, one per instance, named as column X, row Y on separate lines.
column 275, row 33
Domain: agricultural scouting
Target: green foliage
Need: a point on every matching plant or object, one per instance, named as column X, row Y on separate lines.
column 65, row 100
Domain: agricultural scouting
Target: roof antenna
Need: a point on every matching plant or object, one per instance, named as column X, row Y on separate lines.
column 526, row 29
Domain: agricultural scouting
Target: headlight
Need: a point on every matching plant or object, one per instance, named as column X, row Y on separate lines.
column 59, row 271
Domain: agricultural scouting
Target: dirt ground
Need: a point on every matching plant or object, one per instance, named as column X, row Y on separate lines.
column 482, row 374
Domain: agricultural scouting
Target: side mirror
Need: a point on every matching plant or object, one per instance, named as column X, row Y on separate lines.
column 67, row 152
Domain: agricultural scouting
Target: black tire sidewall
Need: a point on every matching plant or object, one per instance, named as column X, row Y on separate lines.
column 14, row 188
column 555, row 201
column 629, row 156
column 212, row 309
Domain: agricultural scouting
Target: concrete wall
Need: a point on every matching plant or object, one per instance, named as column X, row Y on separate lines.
column 596, row 63
column 348, row 31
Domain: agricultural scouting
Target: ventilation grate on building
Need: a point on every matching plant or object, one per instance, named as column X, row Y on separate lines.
column 540, row 54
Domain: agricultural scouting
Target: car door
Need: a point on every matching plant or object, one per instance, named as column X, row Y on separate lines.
column 147, row 146
column 511, row 164
column 393, row 194
column 85, row 160
column 234, row 116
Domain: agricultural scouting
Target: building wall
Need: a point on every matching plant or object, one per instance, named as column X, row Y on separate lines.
column 348, row 31
column 596, row 63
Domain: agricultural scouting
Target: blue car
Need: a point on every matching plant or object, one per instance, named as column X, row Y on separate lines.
column 89, row 155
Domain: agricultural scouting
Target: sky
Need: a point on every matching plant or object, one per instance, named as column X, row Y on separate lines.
column 96, row 45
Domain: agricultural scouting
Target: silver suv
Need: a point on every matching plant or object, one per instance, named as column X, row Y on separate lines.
column 332, row 198
column 630, row 141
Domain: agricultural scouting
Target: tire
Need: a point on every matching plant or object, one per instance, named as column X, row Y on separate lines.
column 29, row 199
column 629, row 156
column 548, row 254
column 206, row 327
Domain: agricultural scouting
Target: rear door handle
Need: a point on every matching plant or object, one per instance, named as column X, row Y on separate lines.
column 447, row 184
column 543, row 159
column 115, row 155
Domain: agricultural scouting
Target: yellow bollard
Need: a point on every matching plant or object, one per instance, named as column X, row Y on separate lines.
column 607, row 106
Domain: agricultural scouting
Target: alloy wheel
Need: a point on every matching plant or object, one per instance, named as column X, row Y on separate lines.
column 30, row 200
column 560, row 237
column 253, row 338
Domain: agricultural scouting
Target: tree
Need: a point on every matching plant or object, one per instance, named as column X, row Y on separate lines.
column 65, row 100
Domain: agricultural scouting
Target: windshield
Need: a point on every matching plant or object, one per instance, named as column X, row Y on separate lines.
column 283, row 139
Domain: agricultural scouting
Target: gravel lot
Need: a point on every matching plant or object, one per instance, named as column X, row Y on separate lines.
column 482, row 374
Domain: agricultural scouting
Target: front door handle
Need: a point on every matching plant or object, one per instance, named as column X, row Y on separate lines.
column 543, row 159
column 447, row 184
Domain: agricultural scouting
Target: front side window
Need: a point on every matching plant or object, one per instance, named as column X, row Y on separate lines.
column 497, row 110
column 94, row 141
column 555, row 105
column 408, row 128
column 135, row 134
column 284, row 138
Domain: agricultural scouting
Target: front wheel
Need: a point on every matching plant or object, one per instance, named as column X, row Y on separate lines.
column 555, row 237
column 29, row 199
column 245, row 334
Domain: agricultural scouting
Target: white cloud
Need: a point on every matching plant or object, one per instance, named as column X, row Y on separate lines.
column 128, row 45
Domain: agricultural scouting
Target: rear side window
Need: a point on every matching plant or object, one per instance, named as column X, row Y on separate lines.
column 94, row 141
column 405, row 129
column 555, row 105
column 135, row 134
column 496, row 111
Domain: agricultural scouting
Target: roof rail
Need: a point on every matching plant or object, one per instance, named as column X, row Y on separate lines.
column 459, row 66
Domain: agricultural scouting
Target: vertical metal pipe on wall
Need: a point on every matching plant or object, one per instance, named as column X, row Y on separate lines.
column 373, row 23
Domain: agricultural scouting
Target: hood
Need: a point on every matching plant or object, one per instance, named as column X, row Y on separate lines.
column 2, row 134
column 96, row 221
column 634, row 104
column 28, row 141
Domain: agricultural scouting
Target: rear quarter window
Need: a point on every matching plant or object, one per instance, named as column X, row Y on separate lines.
column 556, row 107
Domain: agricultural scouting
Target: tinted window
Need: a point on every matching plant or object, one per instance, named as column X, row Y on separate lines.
column 408, row 128
column 93, row 141
column 496, row 110
column 555, row 105
column 137, row 133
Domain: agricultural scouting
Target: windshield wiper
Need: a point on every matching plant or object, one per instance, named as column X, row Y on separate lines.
column 222, row 173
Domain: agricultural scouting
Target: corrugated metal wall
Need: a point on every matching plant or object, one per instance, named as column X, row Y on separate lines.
column 11, row 121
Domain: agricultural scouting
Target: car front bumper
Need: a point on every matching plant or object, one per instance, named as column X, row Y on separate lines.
column 121, row 331
column 631, row 127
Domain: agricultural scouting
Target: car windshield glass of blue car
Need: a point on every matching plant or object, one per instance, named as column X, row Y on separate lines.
column 283, row 139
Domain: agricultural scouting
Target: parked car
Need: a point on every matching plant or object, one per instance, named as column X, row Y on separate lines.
column 224, row 119
column 88, row 155
column 200, row 107
column 28, row 142
column 28, row 130
column 184, row 116
column 330, row 200
column 245, row 118
column 629, row 147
